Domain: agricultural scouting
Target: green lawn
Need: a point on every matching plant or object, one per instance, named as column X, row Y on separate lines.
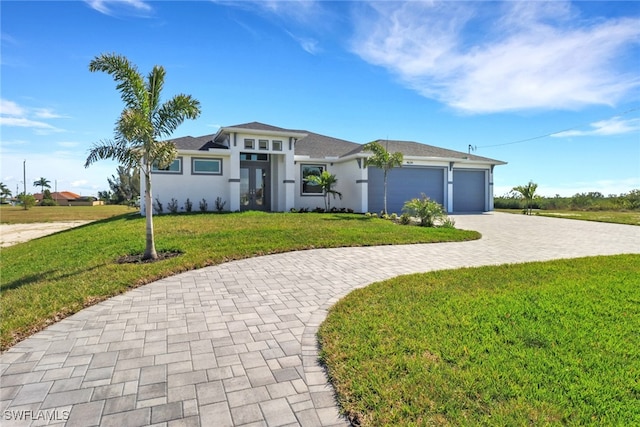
column 17, row 215
column 527, row 344
column 49, row 278
column 618, row 217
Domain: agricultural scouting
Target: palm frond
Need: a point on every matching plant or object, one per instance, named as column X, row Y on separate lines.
column 111, row 149
column 162, row 153
column 134, row 127
column 154, row 85
column 173, row 112
column 130, row 82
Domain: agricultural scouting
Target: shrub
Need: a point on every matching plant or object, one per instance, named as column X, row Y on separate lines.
column 203, row 205
column 367, row 215
column 158, row 206
column 27, row 200
column 188, row 206
column 48, row 202
column 448, row 223
column 427, row 210
column 220, row 204
column 405, row 219
column 393, row 217
column 172, row 206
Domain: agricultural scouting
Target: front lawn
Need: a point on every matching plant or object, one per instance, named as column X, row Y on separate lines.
column 18, row 215
column 616, row 217
column 528, row 344
column 49, row 278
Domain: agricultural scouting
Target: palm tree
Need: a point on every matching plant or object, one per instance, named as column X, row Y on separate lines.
column 42, row 182
column 144, row 122
column 528, row 193
column 384, row 160
column 326, row 181
column 4, row 192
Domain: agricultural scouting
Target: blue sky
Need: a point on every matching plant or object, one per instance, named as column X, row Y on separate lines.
column 552, row 88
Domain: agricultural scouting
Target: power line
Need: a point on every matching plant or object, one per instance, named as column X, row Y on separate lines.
column 557, row 132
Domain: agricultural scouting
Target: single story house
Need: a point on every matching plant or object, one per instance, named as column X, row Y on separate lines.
column 255, row 166
column 67, row 198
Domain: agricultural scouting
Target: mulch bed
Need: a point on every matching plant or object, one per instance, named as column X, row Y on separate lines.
column 137, row 259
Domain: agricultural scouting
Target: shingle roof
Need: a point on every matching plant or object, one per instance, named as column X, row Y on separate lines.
column 320, row 146
column 200, row 143
column 417, row 149
column 261, row 126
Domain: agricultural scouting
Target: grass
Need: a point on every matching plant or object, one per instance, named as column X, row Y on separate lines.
column 49, row 278
column 17, row 215
column 617, row 217
column 528, row 344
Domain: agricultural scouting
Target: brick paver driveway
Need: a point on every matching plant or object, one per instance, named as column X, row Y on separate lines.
column 235, row 344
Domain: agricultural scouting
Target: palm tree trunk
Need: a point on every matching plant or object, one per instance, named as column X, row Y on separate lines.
column 385, row 191
column 150, row 250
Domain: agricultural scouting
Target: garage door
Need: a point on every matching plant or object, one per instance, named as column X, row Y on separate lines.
column 404, row 184
column 468, row 190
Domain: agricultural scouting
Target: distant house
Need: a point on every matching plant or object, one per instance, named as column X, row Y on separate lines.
column 67, row 198
column 255, row 166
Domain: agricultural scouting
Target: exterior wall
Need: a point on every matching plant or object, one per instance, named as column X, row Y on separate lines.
column 347, row 173
column 350, row 183
column 310, row 201
column 195, row 187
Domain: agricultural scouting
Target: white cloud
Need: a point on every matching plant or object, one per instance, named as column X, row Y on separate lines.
column 10, row 108
column 47, row 113
column 107, row 6
column 27, row 123
column 613, row 126
column 481, row 57
column 308, row 44
column 14, row 115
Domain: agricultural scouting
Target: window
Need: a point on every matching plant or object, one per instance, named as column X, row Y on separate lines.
column 249, row 144
column 254, row 157
column 263, row 144
column 208, row 166
column 174, row 167
column 276, row 145
column 309, row 187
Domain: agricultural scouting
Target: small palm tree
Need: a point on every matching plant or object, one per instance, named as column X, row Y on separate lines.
column 144, row 122
column 4, row 192
column 42, row 183
column 384, row 160
column 528, row 193
column 326, row 181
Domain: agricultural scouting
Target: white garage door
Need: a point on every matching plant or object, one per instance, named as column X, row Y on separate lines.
column 404, row 184
column 469, row 191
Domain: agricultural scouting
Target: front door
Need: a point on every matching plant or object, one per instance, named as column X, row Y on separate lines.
column 254, row 186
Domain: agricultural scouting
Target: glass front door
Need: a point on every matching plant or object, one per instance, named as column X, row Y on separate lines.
column 254, row 187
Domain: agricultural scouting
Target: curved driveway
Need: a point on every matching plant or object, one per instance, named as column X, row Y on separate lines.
column 234, row 344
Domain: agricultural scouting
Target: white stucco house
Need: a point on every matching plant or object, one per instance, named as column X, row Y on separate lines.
column 255, row 166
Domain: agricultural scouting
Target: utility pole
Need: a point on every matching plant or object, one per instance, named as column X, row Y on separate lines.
column 24, row 177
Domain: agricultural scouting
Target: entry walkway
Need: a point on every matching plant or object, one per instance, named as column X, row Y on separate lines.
column 234, row 344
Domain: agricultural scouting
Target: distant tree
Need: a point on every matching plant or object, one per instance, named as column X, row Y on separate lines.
column 528, row 193
column 326, row 181
column 142, row 125
column 43, row 183
column 47, row 199
column 106, row 196
column 126, row 185
column 384, row 160
column 27, row 200
column 4, row 192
